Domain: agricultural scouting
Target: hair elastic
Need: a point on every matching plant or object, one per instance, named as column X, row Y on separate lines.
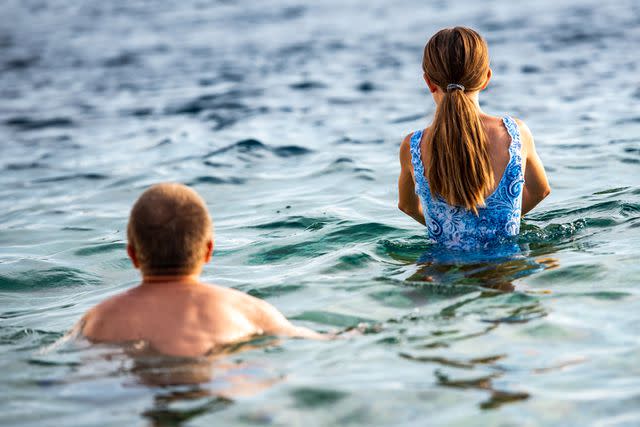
column 454, row 86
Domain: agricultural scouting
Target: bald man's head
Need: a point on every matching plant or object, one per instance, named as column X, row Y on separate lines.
column 169, row 230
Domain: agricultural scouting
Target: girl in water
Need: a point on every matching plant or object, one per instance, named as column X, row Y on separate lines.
column 469, row 176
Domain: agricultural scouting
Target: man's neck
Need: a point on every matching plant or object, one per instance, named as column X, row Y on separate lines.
column 170, row 279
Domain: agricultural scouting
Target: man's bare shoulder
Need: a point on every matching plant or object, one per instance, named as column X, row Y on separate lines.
column 262, row 314
column 232, row 298
column 101, row 320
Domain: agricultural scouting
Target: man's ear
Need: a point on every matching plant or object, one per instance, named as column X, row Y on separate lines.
column 432, row 87
column 486, row 83
column 131, row 251
column 209, row 252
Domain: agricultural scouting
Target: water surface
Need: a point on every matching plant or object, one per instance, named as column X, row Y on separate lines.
column 287, row 118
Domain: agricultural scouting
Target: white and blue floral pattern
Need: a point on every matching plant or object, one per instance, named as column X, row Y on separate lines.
column 458, row 228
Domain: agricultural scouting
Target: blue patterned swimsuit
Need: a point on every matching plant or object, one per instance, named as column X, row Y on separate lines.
column 457, row 228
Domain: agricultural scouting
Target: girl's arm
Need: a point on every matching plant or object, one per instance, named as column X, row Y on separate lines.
column 536, row 185
column 408, row 200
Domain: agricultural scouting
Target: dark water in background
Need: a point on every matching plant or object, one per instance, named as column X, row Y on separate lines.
column 287, row 118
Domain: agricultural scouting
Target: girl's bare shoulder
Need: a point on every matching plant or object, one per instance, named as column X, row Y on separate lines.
column 405, row 146
column 405, row 150
column 525, row 132
column 526, row 137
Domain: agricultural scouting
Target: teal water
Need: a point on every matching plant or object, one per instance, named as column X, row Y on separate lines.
column 287, row 119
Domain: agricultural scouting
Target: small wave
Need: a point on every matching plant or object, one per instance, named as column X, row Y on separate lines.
column 350, row 141
column 293, row 12
column 341, row 160
column 630, row 160
column 137, row 112
column 566, row 36
column 314, row 398
column 41, row 279
column 332, row 318
column 87, row 176
column 215, row 102
column 121, row 59
column 290, row 150
column 530, row 69
column 497, row 397
column 223, row 109
column 211, row 164
column 577, row 273
column 274, row 291
column 30, row 123
column 295, row 222
column 610, row 209
column 406, row 250
column 345, row 164
column 628, row 120
column 445, row 361
column 530, row 233
column 370, row 231
column 253, row 146
column 350, row 261
column 25, row 338
column 24, row 166
column 405, row 119
column 343, row 101
column 21, row 63
column 224, row 76
column 614, row 190
column 522, row 314
column 601, row 295
column 366, row 86
column 100, row 248
column 493, row 25
column 624, row 141
column 321, row 244
column 495, row 308
column 209, row 179
column 308, row 85
column 576, row 146
column 243, row 146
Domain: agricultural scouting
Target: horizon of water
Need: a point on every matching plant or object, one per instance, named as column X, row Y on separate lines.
column 287, row 117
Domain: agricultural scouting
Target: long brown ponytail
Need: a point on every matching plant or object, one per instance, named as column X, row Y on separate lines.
column 458, row 167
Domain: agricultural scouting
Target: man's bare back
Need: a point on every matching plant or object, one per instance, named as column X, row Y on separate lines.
column 184, row 318
column 171, row 311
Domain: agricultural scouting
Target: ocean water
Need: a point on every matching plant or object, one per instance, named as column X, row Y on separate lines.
column 287, row 117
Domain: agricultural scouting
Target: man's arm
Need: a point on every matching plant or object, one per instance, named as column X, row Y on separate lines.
column 272, row 322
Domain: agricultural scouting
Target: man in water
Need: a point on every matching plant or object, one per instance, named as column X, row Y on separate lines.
column 170, row 239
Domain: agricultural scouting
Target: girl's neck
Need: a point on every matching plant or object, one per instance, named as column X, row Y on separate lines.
column 474, row 96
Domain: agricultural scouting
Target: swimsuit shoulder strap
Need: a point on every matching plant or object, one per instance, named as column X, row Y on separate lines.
column 514, row 133
column 515, row 148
